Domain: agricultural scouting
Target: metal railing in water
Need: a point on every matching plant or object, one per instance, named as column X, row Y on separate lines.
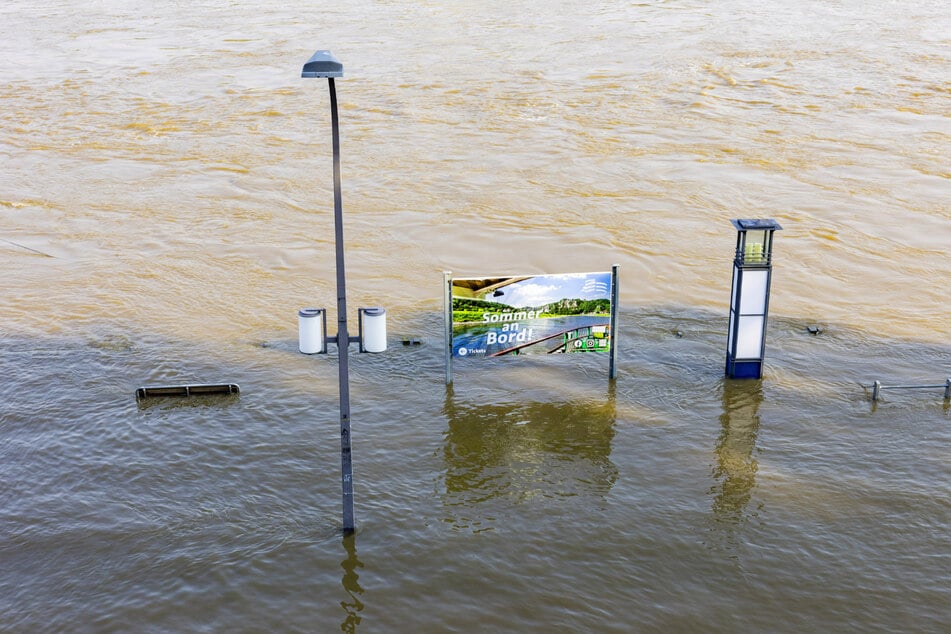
column 877, row 388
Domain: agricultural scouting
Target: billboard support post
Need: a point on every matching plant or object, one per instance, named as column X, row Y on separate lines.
column 447, row 320
column 612, row 372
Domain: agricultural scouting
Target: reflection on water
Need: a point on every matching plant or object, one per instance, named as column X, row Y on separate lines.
column 175, row 402
column 351, row 585
column 735, row 468
column 517, row 451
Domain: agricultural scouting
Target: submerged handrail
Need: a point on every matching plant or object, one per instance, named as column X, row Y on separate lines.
column 877, row 388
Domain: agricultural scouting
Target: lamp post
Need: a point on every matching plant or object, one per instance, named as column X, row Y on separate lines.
column 324, row 64
column 752, row 273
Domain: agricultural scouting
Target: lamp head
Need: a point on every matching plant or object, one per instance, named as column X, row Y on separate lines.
column 322, row 64
column 758, row 224
column 754, row 241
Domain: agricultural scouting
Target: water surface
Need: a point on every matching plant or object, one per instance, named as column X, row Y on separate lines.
column 166, row 200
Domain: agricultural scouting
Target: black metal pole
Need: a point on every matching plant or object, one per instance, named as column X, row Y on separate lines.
column 343, row 337
column 612, row 367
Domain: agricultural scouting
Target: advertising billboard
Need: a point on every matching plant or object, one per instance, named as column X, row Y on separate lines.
column 530, row 314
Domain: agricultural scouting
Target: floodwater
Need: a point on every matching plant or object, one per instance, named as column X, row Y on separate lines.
column 166, row 202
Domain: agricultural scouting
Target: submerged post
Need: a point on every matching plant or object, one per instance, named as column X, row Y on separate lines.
column 749, row 304
column 612, row 365
column 324, row 64
column 447, row 321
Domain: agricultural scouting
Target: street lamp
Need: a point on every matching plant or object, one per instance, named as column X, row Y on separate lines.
column 324, row 64
column 752, row 273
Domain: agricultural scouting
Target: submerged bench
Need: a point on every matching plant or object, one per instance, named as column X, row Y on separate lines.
column 187, row 390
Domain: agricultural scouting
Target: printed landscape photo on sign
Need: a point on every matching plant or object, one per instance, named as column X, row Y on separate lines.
column 536, row 314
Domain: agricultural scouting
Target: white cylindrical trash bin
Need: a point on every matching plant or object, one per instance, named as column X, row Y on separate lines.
column 310, row 330
column 372, row 329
